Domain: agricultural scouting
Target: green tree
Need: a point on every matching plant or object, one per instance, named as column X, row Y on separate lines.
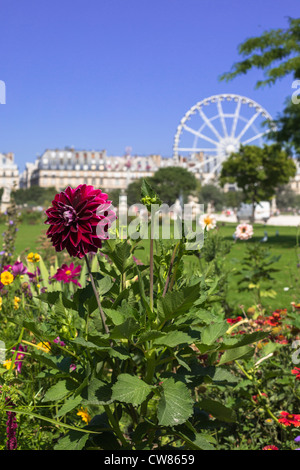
column 133, row 192
column 258, row 171
column 276, row 52
column 210, row 193
column 35, row 196
column 172, row 182
column 287, row 128
column 233, row 198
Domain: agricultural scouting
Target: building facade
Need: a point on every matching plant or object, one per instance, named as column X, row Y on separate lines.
column 9, row 173
column 60, row 168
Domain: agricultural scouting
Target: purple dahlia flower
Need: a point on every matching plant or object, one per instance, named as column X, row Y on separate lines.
column 74, row 218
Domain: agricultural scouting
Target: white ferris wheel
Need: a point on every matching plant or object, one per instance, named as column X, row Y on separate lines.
column 214, row 128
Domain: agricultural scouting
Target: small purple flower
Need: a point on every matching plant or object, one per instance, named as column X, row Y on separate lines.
column 58, row 341
column 11, row 222
column 137, row 261
column 18, row 268
column 297, row 439
column 20, row 357
column 72, row 367
column 11, row 429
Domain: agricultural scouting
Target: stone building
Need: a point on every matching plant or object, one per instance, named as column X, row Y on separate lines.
column 9, row 173
column 60, row 168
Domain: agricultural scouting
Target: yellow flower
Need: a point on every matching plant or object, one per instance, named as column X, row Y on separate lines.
column 33, row 257
column 83, row 413
column 44, row 346
column 7, row 364
column 6, row 278
column 17, row 301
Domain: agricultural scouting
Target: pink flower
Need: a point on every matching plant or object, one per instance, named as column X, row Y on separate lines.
column 244, row 231
column 68, row 274
column 20, row 356
column 58, row 341
column 79, row 219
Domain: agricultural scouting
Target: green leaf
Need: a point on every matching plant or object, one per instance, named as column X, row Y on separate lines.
column 104, row 285
column 74, row 440
column 125, row 330
column 115, row 316
column 173, row 339
column 98, row 393
column 130, row 389
column 59, row 391
column 175, row 405
column 176, row 303
column 213, row 332
column 149, row 196
column 121, row 256
column 236, row 353
column 69, row 405
column 149, row 336
column 218, row 410
column 197, row 441
column 243, row 340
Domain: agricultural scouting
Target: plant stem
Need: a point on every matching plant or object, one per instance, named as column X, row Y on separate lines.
column 170, row 270
column 97, row 296
column 151, row 272
column 115, row 425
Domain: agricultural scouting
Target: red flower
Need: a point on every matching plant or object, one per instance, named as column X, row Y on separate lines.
column 68, row 274
column 296, row 372
column 289, row 419
column 270, row 448
column 256, row 397
column 79, row 219
column 274, row 319
column 281, row 339
column 232, row 321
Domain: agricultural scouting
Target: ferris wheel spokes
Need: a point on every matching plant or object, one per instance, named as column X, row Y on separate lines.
column 221, row 114
column 208, row 122
column 258, row 136
column 249, row 124
column 235, row 117
column 199, row 134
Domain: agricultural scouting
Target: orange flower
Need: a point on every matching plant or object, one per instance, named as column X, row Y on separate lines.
column 289, row 419
column 296, row 372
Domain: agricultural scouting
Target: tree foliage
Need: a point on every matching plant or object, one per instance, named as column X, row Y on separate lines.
column 34, row 196
column 169, row 183
column 287, row 128
column 258, row 171
column 276, row 52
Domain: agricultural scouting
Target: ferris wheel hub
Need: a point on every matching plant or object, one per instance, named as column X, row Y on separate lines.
column 230, row 149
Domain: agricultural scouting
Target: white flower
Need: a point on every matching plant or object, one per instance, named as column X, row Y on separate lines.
column 244, row 231
column 208, row 221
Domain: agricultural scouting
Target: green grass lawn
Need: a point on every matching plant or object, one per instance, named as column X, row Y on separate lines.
column 283, row 244
column 27, row 237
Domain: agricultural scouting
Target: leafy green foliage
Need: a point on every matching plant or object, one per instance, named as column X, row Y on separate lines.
column 276, row 52
column 258, row 171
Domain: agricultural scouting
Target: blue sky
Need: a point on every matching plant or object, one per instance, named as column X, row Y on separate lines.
column 111, row 74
